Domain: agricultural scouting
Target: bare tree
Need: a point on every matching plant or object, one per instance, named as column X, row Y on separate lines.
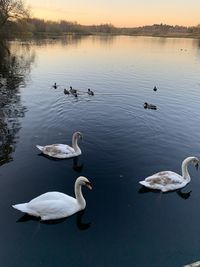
column 12, row 10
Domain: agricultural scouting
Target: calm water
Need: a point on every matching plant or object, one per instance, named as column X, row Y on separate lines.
column 123, row 143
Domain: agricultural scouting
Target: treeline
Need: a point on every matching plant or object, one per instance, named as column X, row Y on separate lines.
column 15, row 20
column 40, row 26
column 162, row 29
column 34, row 26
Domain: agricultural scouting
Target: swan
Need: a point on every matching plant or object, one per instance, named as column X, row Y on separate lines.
column 168, row 180
column 149, row 106
column 90, row 92
column 62, row 151
column 56, row 205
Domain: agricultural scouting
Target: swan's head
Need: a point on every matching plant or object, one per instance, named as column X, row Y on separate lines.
column 84, row 181
column 78, row 135
column 195, row 162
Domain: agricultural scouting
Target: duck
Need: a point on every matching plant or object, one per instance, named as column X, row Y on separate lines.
column 66, row 92
column 62, row 151
column 155, row 88
column 56, row 205
column 168, row 180
column 149, row 106
column 90, row 92
column 55, row 86
column 72, row 91
column 75, row 94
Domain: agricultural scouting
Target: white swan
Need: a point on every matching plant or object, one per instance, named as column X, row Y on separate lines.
column 62, row 151
column 168, row 180
column 56, row 205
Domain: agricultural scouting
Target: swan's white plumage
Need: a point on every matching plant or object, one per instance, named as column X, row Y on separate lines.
column 168, row 180
column 62, row 151
column 56, row 205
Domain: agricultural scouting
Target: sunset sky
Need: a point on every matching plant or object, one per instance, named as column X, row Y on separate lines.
column 127, row 13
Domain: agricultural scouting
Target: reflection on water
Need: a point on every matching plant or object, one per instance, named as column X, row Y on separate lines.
column 79, row 220
column 76, row 165
column 180, row 193
column 14, row 67
column 123, row 143
column 184, row 195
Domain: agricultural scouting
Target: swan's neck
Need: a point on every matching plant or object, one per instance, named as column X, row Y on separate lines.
column 79, row 195
column 75, row 143
column 185, row 172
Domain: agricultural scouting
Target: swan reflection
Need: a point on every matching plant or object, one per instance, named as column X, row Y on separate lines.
column 183, row 195
column 79, row 216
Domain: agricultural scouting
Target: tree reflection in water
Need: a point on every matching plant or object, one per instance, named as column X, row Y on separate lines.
column 15, row 63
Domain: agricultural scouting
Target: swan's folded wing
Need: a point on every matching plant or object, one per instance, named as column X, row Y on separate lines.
column 49, row 196
column 58, row 150
column 164, row 178
column 52, row 209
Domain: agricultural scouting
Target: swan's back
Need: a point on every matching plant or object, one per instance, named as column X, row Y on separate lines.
column 164, row 181
column 58, row 150
column 50, row 206
column 51, row 196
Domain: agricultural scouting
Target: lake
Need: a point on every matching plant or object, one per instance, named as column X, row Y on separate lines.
column 123, row 143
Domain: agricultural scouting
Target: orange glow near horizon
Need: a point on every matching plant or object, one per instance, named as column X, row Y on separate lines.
column 121, row 16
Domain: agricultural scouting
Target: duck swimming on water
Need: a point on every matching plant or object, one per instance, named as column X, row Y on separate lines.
column 66, row 92
column 155, row 88
column 72, row 91
column 149, row 106
column 55, row 86
column 90, row 92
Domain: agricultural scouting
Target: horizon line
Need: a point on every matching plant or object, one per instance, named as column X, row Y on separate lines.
column 109, row 23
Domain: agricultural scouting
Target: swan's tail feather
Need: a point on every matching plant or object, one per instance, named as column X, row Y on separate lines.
column 40, row 147
column 22, row 207
column 144, row 183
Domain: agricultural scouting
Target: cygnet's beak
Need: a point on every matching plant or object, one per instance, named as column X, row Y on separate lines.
column 81, row 136
column 89, row 185
column 197, row 166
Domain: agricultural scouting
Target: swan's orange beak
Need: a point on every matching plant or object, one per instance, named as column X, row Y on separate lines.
column 89, row 185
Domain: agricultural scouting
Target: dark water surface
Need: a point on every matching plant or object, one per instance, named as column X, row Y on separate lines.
column 123, row 143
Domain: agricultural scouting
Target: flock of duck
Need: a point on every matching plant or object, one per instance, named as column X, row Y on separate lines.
column 73, row 91
column 56, row 205
column 150, row 106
